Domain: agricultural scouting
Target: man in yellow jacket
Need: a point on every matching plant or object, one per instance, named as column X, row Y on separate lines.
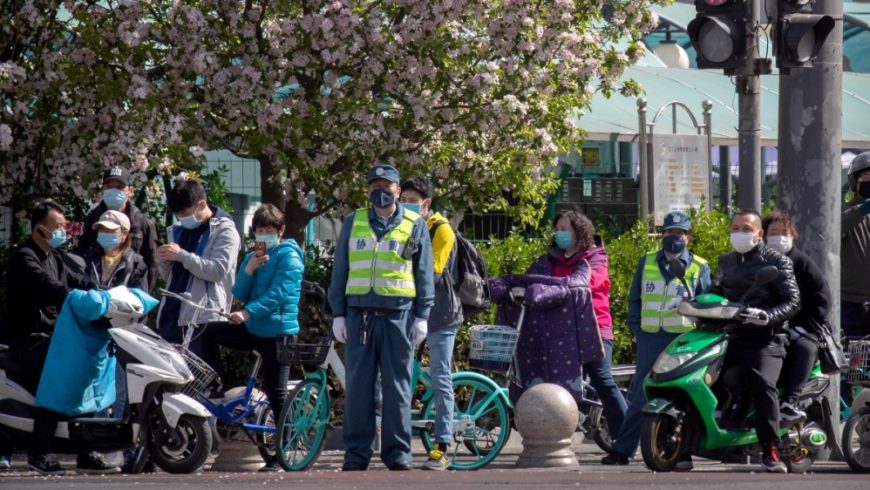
column 445, row 317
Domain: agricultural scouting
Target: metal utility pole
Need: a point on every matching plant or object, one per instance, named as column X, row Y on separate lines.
column 748, row 90
column 725, row 179
column 810, row 133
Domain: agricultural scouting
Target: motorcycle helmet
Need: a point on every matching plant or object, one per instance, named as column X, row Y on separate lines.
column 859, row 164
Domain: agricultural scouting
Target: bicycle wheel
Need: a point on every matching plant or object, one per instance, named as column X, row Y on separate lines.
column 302, row 426
column 481, row 419
column 265, row 440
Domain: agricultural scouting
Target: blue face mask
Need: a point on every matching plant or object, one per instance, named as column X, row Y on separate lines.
column 564, row 239
column 108, row 240
column 413, row 206
column 382, row 198
column 673, row 244
column 269, row 240
column 58, row 238
column 188, row 222
column 114, row 198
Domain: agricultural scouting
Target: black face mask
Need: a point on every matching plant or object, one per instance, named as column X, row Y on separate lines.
column 864, row 189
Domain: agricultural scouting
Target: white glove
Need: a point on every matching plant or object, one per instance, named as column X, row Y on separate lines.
column 339, row 329
column 755, row 316
column 420, row 328
column 673, row 304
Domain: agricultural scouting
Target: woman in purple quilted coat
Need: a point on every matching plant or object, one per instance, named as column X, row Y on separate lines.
column 568, row 328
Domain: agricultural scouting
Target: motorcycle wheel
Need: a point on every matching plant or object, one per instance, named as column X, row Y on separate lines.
column 799, row 464
column 856, row 441
column 598, row 429
column 186, row 456
column 662, row 441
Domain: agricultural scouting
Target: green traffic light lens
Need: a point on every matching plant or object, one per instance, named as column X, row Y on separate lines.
column 714, row 42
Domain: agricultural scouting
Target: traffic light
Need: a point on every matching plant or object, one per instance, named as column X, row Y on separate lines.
column 799, row 34
column 718, row 34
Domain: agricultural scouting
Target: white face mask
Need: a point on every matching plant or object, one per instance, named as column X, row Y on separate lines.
column 780, row 243
column 742, row 241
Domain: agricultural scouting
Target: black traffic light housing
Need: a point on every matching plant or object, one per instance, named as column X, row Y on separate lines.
column 799, row 34
column 718, row 33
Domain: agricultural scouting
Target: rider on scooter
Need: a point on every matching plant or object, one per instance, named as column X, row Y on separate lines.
column 43, row 274
column 759, row 343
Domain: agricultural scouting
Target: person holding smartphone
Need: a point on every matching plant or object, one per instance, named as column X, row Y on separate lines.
column 269, row 285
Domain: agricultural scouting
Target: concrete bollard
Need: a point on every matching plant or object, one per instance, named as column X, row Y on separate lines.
column 546, row 416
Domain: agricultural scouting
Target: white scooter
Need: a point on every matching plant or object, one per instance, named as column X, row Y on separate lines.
column 172, row 426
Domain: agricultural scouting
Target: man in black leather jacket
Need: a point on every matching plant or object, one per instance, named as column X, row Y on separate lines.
column 758, row 344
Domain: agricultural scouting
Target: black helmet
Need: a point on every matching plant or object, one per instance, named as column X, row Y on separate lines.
column 858, row 165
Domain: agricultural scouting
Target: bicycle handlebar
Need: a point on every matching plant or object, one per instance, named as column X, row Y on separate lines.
column 186, row 299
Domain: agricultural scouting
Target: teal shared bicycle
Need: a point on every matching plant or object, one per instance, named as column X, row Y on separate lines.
column 482, row 418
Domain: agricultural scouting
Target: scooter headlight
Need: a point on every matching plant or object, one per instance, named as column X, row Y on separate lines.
column 177, row 363
column 668, row 362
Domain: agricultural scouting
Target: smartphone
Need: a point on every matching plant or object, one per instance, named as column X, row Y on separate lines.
column 260, row 247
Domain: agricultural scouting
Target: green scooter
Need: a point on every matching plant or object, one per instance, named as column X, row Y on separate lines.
column 695, row 407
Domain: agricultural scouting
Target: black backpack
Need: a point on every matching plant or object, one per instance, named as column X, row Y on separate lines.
column 468, row 274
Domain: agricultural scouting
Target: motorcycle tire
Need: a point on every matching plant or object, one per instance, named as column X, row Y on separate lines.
column 857, row 454
column 657, row 434
column 190, row 454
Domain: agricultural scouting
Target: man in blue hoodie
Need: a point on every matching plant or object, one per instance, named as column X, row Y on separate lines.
column 381, row 292
column 199, row 259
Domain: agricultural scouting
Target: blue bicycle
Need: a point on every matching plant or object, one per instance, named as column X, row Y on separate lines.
column 244, row 410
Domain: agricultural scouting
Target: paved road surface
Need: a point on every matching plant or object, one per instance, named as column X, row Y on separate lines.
column 501, row 474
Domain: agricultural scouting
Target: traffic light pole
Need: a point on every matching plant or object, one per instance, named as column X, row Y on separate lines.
column 810, row 132
column 749, row 98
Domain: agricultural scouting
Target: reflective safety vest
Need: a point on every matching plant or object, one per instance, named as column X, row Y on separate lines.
column 381, row 264
column 656, row 294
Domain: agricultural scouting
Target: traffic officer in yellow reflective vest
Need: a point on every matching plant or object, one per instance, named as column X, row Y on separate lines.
column 654, row 323
column 381, row 292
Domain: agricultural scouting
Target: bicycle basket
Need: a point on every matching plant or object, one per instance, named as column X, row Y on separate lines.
column 304, row 354
column 492, row 347
column 859, row 363
column 203, row 374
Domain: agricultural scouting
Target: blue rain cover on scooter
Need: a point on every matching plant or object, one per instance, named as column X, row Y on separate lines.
column 79, row 374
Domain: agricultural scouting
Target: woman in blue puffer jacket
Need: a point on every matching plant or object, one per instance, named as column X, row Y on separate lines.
column 268, row 285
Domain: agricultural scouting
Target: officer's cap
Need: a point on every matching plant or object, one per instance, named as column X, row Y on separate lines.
column 385, row 172
column 677, row 220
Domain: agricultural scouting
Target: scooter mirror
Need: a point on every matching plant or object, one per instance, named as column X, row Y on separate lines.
column 677, row 268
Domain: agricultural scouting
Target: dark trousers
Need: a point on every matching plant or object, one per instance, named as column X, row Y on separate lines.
column 762, row 361
column 854, row 320
column 31, row 354
column 237, row 337
column 799, row 361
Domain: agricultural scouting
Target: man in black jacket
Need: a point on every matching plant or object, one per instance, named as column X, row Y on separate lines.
column 117, row 195
column 758, row 344
column 38, row 279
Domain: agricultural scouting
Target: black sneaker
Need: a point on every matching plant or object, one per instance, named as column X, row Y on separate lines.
column 354, row 467
column 400, row 466
column 614, row 459
column 45, row 464
column 770, row 461
column 790, row 414
column 271, row 466
column 95, row 463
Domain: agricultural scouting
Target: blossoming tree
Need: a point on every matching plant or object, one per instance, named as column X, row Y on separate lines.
column 477, row 93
